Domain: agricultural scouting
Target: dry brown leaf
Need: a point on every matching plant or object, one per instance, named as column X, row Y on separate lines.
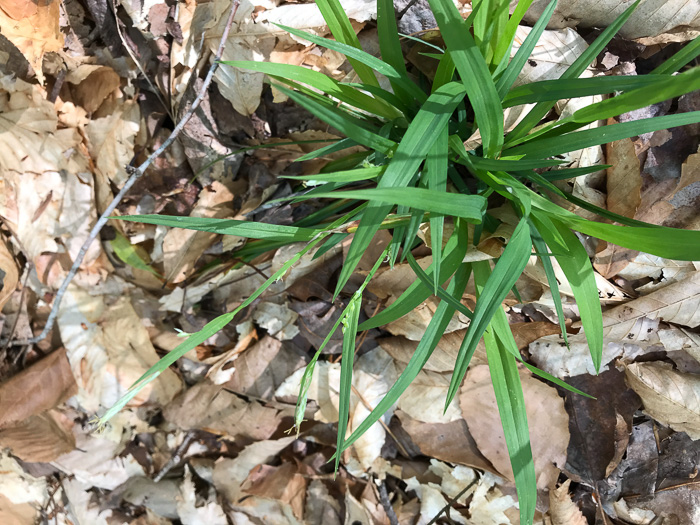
column 651, row 18
column 40, row 387
column 562, row 509
column 548, row 420
column 92, row 85
column 450, row 442
column 263, row 367
column 284, row 483
column 624, row 181
column 677, row 303
column 109, row 349
column 622, row 439
column 39, row 438
column 208, row 407
column 17, row 513
column 526, row 333
column 443, row 357
column 182, row 248
column 19, row 9
column 191, row 511
column 111, row 141
column 9, row 276
column 670, row 397
column 34, row 34
column 427, row 391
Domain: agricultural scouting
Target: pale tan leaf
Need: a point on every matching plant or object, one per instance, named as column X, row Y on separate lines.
column 34, row 34
column 547, row 418
column 36, row 389
column 39, row 438
column 624, row 181
column 443, row 357
column 426, row 392
column 111, row 141
column 193, row 512
column 563, row 510
column 182, row 248
column 670, row 397
column 651, row 18
column 209, row 407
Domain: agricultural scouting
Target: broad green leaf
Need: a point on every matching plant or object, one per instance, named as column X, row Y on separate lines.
column 354, row 128
column 341, row 27
column 470, row 207
column 508, row 164
column 474, row 73
column 436, row 328
column 410, row 153
column 573, row 71
column 323, row 83
column 687, row 53
column 507, row 270
column 445, row 71
column 579, row 272
column 415, row 294
column 362, row 57
column 559, row 89
column 525, row 50
column 439, row 292
column 511, row 407
column 350, row 320
column 594, row 137
column 436, row 170
column 541, row 247
column 250, row 230
column 570, row 173
column 390, row 46
column 504, row 43
column 327, row 150
column 341, row 176
column 645, row 96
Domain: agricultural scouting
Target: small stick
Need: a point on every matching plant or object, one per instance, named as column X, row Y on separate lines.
column 134, row 175
column 386, row 503
column 176, row 458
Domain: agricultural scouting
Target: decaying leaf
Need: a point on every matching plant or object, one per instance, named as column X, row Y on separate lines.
column 9, row 276
column 209, row 407
column 624, row 181
column 42, row 386
column 670, row 397
column 548, row 420
column 648, row 20
column 34, row 30
column 43, row 437
column 562, row 509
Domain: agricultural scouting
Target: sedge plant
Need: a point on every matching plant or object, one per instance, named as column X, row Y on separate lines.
column 414, row 168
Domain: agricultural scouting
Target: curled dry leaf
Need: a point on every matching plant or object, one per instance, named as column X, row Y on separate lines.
column 548, row 420
column 562, row 509
column 9, row 276
column 670, row 397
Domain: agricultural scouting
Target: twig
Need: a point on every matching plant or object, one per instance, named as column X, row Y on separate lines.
column 386, row 503
column 176, row 458
column 452, row 501
column 134, row 175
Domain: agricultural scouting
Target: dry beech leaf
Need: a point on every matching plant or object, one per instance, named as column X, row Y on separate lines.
column 650, row 19
column 443, row 357
column 562, row 509
column 209, row 407
column 40, row 387
column 35, row 32
column 548, row 420
column 39, row 438
column 624, row 181
column 670, row 397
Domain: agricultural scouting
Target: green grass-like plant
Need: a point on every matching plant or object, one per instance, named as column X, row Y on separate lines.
column 415, row 169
